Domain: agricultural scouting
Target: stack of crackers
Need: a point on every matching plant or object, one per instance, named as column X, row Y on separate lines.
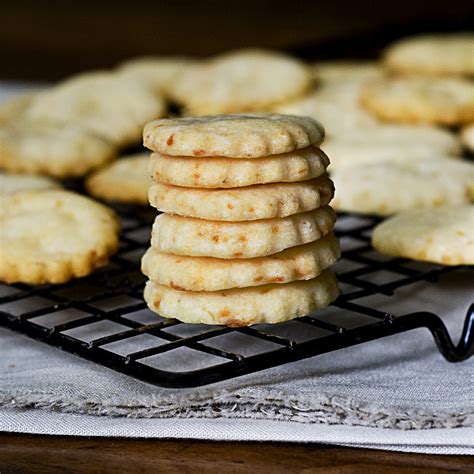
column 246, row 235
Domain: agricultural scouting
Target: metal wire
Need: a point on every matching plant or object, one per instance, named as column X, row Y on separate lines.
column 103, row 317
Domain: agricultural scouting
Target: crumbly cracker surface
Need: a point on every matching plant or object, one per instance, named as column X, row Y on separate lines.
column 53, row 236
column 444, row 235
column 244, row 306
column 197, row 237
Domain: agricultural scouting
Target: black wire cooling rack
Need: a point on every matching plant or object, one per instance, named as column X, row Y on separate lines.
column 103, row 317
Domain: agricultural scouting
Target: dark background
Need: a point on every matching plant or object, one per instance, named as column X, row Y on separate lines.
column 50, row 39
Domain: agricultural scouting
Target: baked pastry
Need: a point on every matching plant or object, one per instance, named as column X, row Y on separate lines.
column 125, row 180
column 17, row 183
column 390, row 187
column 435, row 54
column 53, row 236
column 248, row 239
column 240, row 81
column 222, row 135
column 244, row 306
column 218, row 172
column 444, row 235
column 413, row 99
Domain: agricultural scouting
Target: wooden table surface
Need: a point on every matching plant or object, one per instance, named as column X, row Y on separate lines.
column 45, row 454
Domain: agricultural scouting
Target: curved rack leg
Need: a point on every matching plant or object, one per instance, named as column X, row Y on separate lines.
column 448, row 349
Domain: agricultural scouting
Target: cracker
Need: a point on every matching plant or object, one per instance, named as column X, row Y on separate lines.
column 125, row 180
column 444, row 235
column 157, row 72
column 211, row 274
column 337, row 108
column 399, row 143
column 241, row 81
column 467, row 137
column 402, row 135
column 232, row 136
column 244, row 306
column 53, row 236
column 111, row 106
column 446, row 101
column 433, row 54
column 15, row 183
column 298, row 165
column 197, row 237
column 261, row 201
column 15, row 106
column 55, row 150
column 346, row 154
column 387, row 188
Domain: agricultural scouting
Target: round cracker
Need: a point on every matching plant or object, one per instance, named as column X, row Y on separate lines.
column 346, row 154
column 55, row 150
column 402, row 135
column 125, row 180
column 399, row 143
column 433, row 54
column 211, row 274
column 111, row 106
column 241, row 81
column 215, row 172
column 444, row 235
column 244, row 306
column 337, row 108
column 261, row 201
column 16, row 183
column 158, row 73
column 197, row 237
column 446, row 101
column 232, row 136
column 391, row 187
column 15, row 106
column 52, row 236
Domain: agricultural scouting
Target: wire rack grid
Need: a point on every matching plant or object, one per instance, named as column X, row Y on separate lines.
column 103, row 317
